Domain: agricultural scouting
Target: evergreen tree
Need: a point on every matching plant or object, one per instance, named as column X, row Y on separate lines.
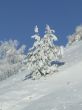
column 76, row 36
column 43, row 53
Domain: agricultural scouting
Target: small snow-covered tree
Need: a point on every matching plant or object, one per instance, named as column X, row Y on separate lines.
column 77, row 36
column 43, row 53
column 11, row 58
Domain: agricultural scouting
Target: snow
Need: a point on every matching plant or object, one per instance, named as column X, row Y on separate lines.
column 59, row 91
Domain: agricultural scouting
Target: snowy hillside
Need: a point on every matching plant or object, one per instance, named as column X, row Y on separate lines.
column 59, row 91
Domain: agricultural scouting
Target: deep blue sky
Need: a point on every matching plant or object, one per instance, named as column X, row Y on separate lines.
column 18, row 17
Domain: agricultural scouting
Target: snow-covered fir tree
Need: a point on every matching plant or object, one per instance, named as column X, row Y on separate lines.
column 77, row 36
column 42, row 53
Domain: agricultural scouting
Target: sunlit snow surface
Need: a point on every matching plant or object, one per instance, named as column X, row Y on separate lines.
column 59, row 91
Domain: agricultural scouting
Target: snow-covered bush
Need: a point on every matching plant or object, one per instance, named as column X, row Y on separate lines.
column 77, row 36
column 42, row 53
column 11, row 58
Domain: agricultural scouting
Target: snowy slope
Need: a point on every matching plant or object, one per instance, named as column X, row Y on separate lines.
column 60, row 91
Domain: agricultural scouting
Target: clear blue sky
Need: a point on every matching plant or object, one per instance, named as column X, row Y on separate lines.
column 18, row 17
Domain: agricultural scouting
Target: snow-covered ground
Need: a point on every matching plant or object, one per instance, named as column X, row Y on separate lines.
column 59, row 91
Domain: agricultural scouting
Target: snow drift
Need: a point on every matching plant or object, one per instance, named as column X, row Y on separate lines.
column 59, row 91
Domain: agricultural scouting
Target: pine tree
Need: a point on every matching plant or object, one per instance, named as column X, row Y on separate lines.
column 43, row 53
column 76, row 36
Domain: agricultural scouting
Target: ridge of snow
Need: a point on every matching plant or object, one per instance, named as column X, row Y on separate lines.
column 60, row 91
